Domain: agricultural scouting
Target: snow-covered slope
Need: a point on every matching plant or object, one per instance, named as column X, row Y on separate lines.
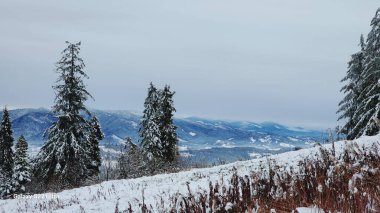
column 158, row 191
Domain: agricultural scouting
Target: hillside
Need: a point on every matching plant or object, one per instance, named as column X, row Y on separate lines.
column 159, row 192
column 201, row 140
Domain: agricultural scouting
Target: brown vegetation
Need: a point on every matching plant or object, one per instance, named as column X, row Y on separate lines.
column 347, row 183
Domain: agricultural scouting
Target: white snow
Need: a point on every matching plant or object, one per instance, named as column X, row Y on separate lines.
column 287, row 145
column 103, row 197
column 228, row 145
column 254, row 155
column 225, row 144
column 293, row 139
column 33, row 150
column 109, row 150
column 186, row 154
column 270, row 148
column 203, row 123
column 183, row 148
column 320, row 188
column 258, row 126
column 117, row 138
column 309, row 210
column 36, row 120
column 310, row 143
column 252, row 139
column 220, row 126
column 134, row 124
column 181, row 140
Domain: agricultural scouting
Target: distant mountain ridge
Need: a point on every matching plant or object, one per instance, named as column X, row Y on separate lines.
column 194, row 133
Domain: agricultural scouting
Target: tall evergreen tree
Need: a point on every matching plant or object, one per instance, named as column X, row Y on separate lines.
column 63, row 159
column 21, row 171
column 352, row 90
column 368, row 110
column 96, row 135
column 6, row 140
column 167, row 128
column 6, row 155
column 149, row 127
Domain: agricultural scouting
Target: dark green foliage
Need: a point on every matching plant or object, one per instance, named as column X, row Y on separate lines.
column 6, row 156
column 6, row 143
column 130, row 162
column 157, row 131
column 348, row 106
column 96, row 135
column 369, row 106
column 6, row 188
column 64, row 158
column 71, row 92
column 361, row 104
column 151, row 143
column 167, row 129
column 21, row 171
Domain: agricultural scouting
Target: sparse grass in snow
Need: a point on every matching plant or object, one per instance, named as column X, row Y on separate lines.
column 271, row 182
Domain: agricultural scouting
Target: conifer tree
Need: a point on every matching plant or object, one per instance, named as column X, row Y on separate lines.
column 352, row 90
column 6, row 188
column 21, row 171
column 149, row 128
column 129, row 163
column 1, row 153
column 167, row 128
column 64, row 158
column 368, row 110
column 6, row 140
column 6, row 155
column 96, row 135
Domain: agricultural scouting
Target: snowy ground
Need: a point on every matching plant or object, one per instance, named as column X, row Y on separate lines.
column 158, row 190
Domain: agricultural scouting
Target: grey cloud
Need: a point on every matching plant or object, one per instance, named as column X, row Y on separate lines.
column 241, row 60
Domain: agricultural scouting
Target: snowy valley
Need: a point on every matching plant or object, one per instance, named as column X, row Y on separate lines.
column 200, row 140
column 159, row 192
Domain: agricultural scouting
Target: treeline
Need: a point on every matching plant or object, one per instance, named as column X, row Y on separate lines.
column 360, row 107
column 14, row 167
column 71, row 157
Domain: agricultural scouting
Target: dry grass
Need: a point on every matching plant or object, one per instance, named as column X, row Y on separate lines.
column 347, row 183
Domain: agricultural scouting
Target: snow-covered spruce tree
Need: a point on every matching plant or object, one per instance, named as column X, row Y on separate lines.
column 122, row 164
column 96, row 135
column 6, row 141
column 6, row 161
column 63, row 159
column 167, row 128
column 352, row 90
column 21, row 171
column 129, row 162
column 6, row 188
column 368, row 111
column 151, row 144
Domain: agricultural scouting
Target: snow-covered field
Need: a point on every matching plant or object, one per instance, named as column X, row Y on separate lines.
column 158, row 191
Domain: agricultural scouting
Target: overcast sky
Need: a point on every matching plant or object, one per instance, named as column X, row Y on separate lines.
column 248, row 60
